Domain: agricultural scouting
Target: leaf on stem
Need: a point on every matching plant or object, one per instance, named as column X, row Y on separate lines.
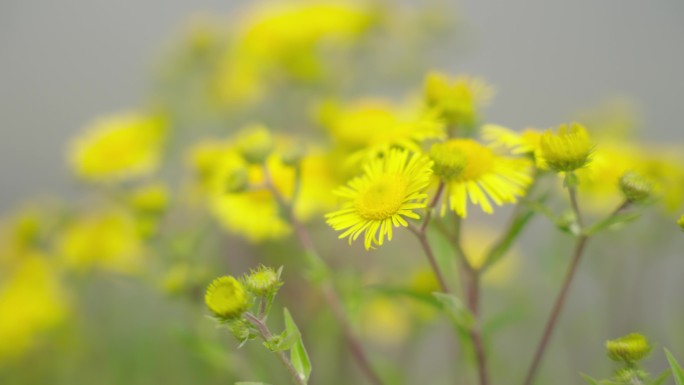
column 456, row 310
column 298, row 355
column 677, row 371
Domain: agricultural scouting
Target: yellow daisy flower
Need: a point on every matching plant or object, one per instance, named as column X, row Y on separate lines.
column 526, row 142
column 119, row 147
column 479, row 174
column 389, row 191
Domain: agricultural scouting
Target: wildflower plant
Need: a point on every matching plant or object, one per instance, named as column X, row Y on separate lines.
column 289, row 162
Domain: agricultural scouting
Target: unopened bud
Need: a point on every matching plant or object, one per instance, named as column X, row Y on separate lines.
column 635, row 187
column 630, row 348
column 263, row 280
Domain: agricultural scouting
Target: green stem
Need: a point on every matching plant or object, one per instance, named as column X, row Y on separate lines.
column 330, row 294
column 267, row 336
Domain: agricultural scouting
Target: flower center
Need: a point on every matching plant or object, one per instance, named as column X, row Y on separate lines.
column 382, row 198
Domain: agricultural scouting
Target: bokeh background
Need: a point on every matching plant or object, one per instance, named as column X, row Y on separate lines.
column 64, row 63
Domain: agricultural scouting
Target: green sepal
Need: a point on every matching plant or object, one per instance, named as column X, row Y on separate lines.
column 456, row 310
column 298, row 355
column 283, row 341
column 571, row 180
column 677, row 371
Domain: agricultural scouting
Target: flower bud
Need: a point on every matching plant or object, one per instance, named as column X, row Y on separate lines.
column 630, row 348
column 567, row 150
column 263, row 280
column 255, row 143
column 449, row 161
column 150, row 199
column 292, row 154
column 237, row 180
column 635, row 187
column 226, row 298
column 680, row 222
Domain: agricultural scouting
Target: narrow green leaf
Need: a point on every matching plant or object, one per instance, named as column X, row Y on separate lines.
column 298, row 355
column 677, row 371
column 456, row 310
column 662, row 377
column 589, row 380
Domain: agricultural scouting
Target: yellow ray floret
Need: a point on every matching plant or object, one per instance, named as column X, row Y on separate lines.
column 389, row 191
column 481, row 176
column 226, row 297
column 119, row 147
column 568, row 149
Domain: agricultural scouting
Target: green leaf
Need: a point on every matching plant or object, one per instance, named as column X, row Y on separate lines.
column 456, row 310
column 298, row 356
column 589, row 380
column 611, row 221
column 504, row 244
column 661, row 378
column 677, row 371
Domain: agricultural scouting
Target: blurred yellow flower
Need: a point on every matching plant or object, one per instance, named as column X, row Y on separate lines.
column 477, row 241
column 32, row 302
column 108, row 240
column 386, row 321
column 484, row 175
column 226, row 297
column 458, row 99
column 286, row 38
column 568, row 149
column 527, row 142
column 369, row 127
column 119, row 147
column 389, row 191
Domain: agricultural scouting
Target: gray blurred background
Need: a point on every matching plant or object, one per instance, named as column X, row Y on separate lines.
column 63, row 63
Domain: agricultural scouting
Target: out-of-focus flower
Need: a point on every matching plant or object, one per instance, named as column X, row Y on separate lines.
column 150, row 198
column 368, row 128
column 385, row 320
column 389, row 191
column 458, row 99
column 568, row 149
column 119, row 147
column 227, row 298
column 107, row 240
column 526, row 142
column 484, row 175
column 680, row 222
column 32, row 302
column 287, row 39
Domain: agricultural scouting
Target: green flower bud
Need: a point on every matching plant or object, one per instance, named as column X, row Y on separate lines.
column 630, row 348
column 293, row 154
column 255, row 143
column 680, row 222
column 449, row 160
column 237, row 181
column 635, row 187
column 263, row 281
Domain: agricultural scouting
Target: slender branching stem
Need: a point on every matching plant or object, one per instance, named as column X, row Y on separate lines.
column 552, row 321
column 330, row 294
column 266, row 335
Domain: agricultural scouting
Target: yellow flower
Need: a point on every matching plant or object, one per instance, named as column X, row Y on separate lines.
column 525, row 143
column 119, row 147
column 389, row 191
column 630, row 348
column 226, row 298
column 368, row 128
column 107, row 240
column 32, row 301
column 567, row 150
column 386, row 321
column 484, row 175
column 456, row 99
